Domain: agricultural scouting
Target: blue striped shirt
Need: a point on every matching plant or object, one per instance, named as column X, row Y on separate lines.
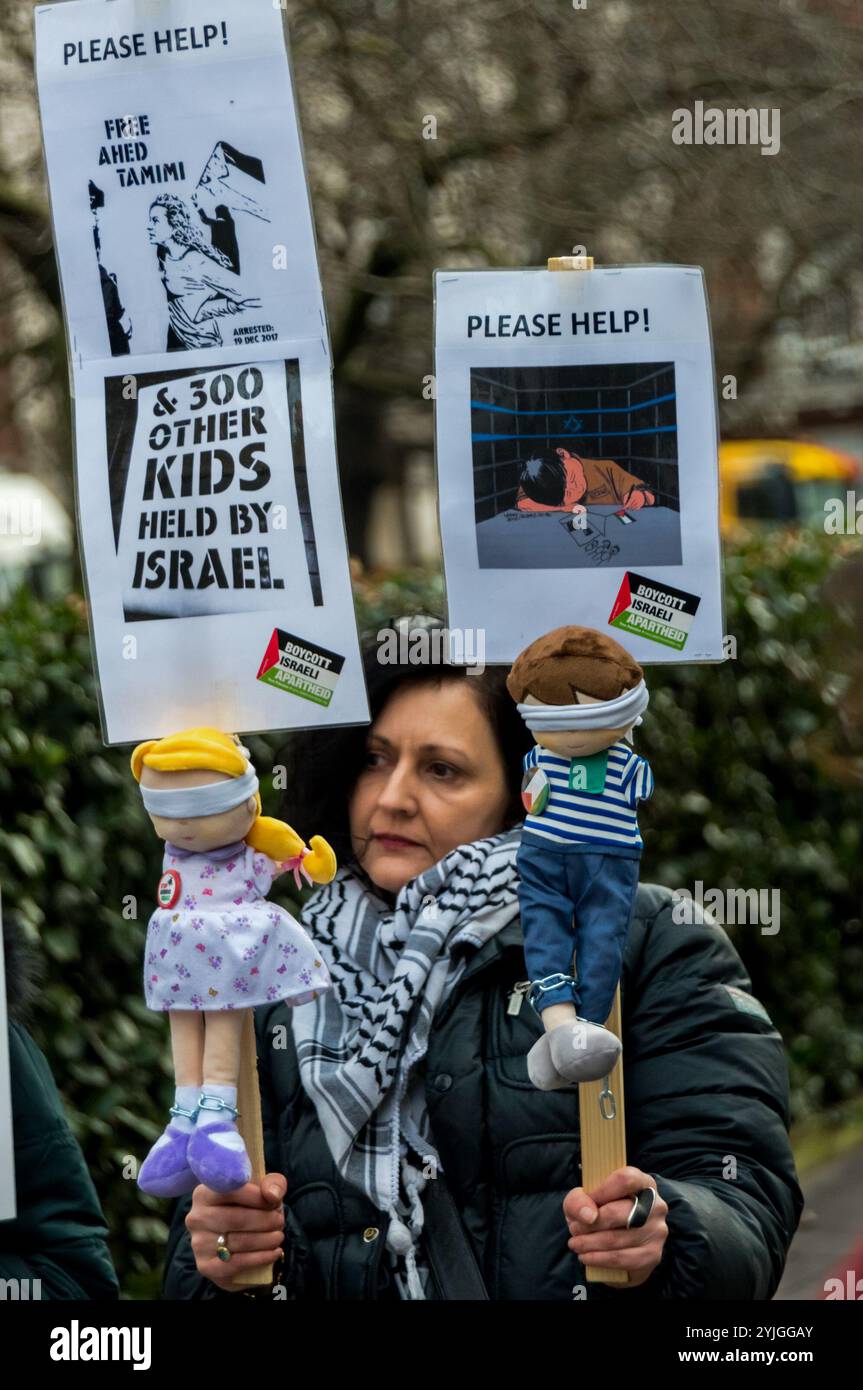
column 608, row 817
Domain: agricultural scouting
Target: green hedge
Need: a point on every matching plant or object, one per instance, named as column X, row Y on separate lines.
column 741, row 801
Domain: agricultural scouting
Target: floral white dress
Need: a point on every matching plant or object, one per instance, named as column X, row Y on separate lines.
column 215, row 942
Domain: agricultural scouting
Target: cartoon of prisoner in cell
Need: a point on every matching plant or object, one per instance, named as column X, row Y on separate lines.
column 563, row 482
column 199, row 281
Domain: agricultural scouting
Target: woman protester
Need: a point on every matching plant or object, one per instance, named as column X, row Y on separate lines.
column 408, row 1154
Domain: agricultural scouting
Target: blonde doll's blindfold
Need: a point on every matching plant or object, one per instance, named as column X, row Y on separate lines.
column 209, row 800
column 621, row 713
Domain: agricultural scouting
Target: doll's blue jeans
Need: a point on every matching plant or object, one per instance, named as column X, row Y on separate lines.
column 594, row 884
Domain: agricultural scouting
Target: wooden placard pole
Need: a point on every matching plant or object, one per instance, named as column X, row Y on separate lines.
column 600, row 1103
column 603, row 1135
column 250, row 1125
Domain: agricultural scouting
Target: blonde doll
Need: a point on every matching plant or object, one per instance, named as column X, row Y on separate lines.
column 215, row 946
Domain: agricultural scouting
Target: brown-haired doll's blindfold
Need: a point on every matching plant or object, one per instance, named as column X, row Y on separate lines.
column 621, row 713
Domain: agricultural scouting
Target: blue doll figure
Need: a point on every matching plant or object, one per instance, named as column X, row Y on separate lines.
column 580, row 694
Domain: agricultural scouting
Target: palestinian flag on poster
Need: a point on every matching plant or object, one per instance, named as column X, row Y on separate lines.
column 647, row 608
column 233, row 179
column 301, row 668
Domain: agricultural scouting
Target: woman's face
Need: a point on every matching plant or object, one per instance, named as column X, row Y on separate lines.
column 158, row 227
column 433, row 779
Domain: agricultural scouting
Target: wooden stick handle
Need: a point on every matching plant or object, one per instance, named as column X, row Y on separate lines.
column 570, row 263
column 603, row 1135
column 251, row 1128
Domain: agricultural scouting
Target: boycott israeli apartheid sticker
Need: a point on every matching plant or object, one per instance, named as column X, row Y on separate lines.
column 653, row 610
column 302, row 668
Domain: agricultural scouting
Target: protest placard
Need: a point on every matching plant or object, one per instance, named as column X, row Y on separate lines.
column 208, row 496
column 577, row 457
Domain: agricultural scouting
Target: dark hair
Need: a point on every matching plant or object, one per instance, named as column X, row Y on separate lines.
column 323, row 765
column 543, row 479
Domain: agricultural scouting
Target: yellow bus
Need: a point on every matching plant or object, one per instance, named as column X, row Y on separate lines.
column 781, row 482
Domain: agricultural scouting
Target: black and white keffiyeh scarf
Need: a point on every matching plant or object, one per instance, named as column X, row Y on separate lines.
column 391, row 969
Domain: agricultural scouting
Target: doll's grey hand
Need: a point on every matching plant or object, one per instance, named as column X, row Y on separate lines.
column 252, row 1220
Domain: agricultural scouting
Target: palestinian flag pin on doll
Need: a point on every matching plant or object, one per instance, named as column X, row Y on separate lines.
column 215, row 946
column 580, row 694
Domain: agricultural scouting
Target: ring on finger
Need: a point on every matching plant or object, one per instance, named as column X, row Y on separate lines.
column 222, row 1250
column 642, row 1206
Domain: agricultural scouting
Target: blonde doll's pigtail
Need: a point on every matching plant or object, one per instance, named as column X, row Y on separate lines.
column 276, row 839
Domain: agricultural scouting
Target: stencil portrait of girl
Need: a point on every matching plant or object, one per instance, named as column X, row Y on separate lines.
column 200, row 284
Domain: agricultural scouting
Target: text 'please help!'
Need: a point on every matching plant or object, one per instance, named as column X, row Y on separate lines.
column 552, row 325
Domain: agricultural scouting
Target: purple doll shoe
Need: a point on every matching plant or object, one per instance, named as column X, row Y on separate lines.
column 165, row 1171
column 217, row 1154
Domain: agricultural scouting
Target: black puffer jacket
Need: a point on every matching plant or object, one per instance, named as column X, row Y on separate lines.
column 706, row 1090
column 55, row 1248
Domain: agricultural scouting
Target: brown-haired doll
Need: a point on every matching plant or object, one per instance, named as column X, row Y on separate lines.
column 580, row 693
